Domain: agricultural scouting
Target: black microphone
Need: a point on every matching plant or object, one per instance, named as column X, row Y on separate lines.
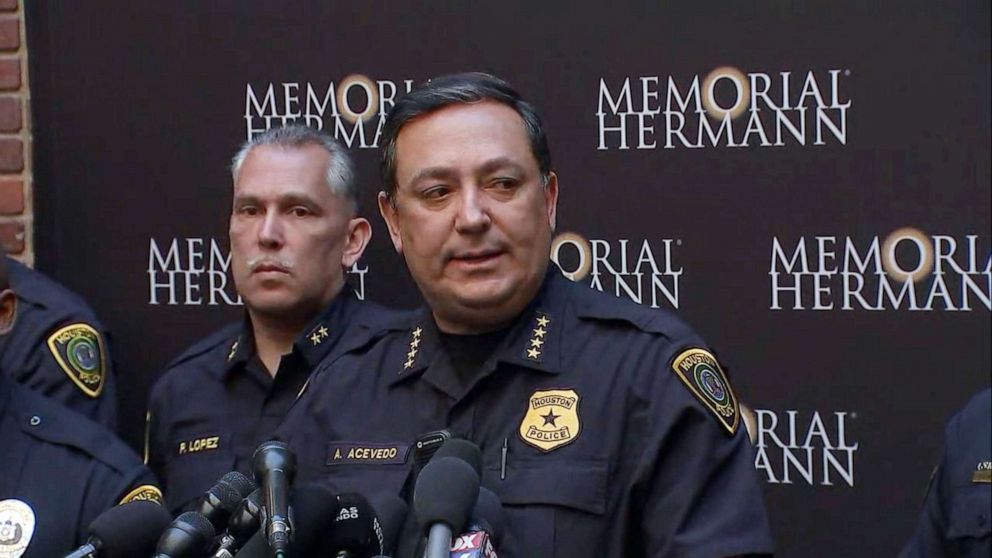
column 390, row 513
column 189, row 536
column 445, row 492
column 218, row 504
column 485, row 529
column 464, row 450
column 275, row 467
column 314, row 509
column 356, row 532
column 127, row 530
column 242, row 525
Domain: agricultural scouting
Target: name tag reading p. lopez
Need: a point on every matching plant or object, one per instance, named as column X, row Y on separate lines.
column 368, row 453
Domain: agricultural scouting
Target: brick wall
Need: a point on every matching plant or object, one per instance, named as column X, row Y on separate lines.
column 15, row 135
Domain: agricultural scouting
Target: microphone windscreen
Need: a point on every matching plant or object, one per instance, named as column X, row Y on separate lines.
column 190, row 534
column 245, row 520
column 240, row 483
column 489, row 509
column 354, row 526
column 313, row 507
column 227, row 496
column 130, row 529
column 445, row 492
column 391, row 513
column 464, row 450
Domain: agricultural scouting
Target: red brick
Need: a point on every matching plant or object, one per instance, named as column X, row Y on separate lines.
column 11, row 197
column 10, row 34
column 11, row 155
column 8, row 5
column 10, row 114
column 12, row 237
column 10, row 74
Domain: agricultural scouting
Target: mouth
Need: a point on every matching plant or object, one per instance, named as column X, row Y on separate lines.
column 269, row 268
column 476, row 258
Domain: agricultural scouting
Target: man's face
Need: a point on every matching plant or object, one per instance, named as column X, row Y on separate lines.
column 290, row 235
column 471, row 215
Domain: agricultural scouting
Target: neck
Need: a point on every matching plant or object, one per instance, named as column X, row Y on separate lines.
column 273, row 338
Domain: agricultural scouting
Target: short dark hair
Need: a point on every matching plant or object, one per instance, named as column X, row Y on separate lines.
column 466, row 88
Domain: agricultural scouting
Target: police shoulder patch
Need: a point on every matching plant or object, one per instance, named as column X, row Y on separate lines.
column 145, row 492
column 701, row 373
column 17, row 523
column 79, row 351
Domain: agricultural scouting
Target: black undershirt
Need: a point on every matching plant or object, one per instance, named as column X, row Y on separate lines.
column 469, row 352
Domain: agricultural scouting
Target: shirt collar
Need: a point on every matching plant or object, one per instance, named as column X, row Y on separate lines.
column 533, row 341
column 325, row 332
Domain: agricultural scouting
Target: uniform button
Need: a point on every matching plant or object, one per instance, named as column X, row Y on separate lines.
column 35, row 420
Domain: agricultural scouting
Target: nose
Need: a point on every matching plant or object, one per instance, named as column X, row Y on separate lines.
column 473, row 212
column 270, row 233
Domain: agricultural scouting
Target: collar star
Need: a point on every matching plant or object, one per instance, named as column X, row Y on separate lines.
column 533, row 353
column 540, row 332
column 536, row 343
column 315, row 338
column 322, row 331
column 542, row 321
column 234, row 349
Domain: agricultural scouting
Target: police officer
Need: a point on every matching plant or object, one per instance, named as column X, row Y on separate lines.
column 957, row 515
column 293, row 230
column 59, row 348
column 58, row 471
column 607, row 428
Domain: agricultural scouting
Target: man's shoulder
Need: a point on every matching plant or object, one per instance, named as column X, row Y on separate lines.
column 50, row 423
column 596, row 307
column 201, row 357
column 48, row 298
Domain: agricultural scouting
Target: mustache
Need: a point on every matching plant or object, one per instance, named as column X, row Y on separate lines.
column 255, row 263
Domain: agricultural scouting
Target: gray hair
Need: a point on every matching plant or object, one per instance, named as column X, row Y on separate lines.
column 340, row 170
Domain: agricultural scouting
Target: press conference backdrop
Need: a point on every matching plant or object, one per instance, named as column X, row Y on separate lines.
column 810, row 188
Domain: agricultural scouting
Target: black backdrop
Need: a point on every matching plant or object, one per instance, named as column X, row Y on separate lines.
column 883, row 135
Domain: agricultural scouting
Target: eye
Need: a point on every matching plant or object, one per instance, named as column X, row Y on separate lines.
column 504, row 184
column 300, row 211
column 248, row 210
column 435, row 192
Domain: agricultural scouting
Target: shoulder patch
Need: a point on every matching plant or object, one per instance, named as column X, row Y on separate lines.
column 701, row 373
column 79, row 351
column 145, row 492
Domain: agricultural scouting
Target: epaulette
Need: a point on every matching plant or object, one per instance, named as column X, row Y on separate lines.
column 600, row 306
column 50, row 422
column 38, row 288
column 224, row 336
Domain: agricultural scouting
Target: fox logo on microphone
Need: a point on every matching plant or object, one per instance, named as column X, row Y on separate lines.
column 474, row 544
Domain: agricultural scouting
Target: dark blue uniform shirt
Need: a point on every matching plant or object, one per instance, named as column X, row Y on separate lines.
column 608, row 451
column 58, row 472
column 957, row 515
column 58, row 348
column 216, row 402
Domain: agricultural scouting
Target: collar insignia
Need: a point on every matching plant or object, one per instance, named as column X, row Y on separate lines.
column 16, row 527
column 234, row 349
column 537, row 338
column 78, row 349
column 411, row 355
column 318, row 335
column 552, row 419
column 701, row 373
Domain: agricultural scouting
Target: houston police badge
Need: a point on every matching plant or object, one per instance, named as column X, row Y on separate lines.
column 16, row 528
column 144, row 493
column 552, row 419
column 78, row 348
column 700, row 371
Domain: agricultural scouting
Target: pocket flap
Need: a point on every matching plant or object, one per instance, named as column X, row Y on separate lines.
column 970, row 513
column 574, row 484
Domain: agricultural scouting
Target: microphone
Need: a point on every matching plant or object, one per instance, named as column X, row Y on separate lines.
column 314, row 509
column 242, row 525
column 189, row 536
column 390, row 515
column 127, row 530
column 485, row 529
column 356, row 532
column 274, row 465
column 464, row 450
column 222, row 498
column 444, row 495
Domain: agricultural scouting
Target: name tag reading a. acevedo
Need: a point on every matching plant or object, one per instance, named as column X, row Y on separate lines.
column 369, row 453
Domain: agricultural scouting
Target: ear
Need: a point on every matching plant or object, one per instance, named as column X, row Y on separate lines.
column 8, row 311
column 359, row 234
column 388, row 211
column 551, row 199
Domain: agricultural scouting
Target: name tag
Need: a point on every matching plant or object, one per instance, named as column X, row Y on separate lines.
column 196, row 445
column 983, row 473
column 369, row 453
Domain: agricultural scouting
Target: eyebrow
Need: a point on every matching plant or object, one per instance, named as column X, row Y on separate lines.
column 291, row 198
column 490, row 166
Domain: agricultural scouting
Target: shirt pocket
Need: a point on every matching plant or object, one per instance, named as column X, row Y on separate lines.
column 552, row 508
column 970, row 514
